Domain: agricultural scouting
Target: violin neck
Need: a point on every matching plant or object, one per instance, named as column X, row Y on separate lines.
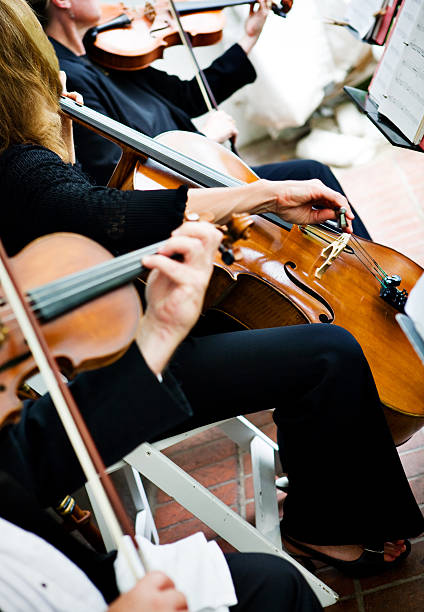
column 199, row 6
column 133, row 140
column 63, row 295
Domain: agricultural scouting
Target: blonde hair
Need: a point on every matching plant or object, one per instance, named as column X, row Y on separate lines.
column 29, row 82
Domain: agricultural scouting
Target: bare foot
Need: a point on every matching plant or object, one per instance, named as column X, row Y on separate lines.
column 392, row 550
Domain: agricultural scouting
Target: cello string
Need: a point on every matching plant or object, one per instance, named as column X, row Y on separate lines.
column 363, row 249
column 84, row 280
column 374, row 266
column 360, row 246
column 354, row 238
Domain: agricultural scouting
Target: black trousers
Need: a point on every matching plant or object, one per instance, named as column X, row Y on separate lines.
column 265, row 583
column 305, row 169
column 347, row 485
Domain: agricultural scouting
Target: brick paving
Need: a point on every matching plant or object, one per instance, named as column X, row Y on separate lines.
column 389, row 195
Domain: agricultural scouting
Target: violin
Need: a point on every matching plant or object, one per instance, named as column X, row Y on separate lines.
column 132, row 38
column 107, row 499
column 65, row 278
column 289, row 275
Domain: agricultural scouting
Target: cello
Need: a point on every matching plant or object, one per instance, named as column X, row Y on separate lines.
column 289, row 275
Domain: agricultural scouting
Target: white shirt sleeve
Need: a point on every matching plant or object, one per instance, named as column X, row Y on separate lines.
column 35, row 577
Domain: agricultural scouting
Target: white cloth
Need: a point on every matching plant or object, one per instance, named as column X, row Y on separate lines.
column 295, row 60
column 35, row 577
column 197, row 567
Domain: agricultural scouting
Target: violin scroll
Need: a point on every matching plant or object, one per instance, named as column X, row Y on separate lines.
column 283, row 8
column 286, row 5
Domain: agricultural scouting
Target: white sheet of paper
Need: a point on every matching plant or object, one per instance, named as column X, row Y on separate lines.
column 403, row 103
column 360, row 14
column 198, row 569
column 415, row 306
column 395, row 46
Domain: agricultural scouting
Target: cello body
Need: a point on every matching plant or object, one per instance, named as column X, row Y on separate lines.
column 274, row 284
column 348, row 293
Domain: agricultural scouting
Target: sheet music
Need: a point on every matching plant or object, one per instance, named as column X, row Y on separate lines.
column 360, row 14
column 414, row 307
column 404, row 104
column 392, row 57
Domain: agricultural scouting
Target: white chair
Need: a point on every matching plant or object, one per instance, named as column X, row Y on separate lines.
column 148, row 460
column 197, row 499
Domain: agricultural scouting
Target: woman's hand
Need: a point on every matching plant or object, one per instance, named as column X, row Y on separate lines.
column 254, row 25
column 67, row 131
column 304, row 202
column 219, row 126
column 175, row 290
column 153, row 593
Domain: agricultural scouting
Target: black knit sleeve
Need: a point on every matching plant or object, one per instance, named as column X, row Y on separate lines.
column 51, row 196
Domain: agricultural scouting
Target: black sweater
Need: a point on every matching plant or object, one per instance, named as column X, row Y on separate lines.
column 148, row 100
column 41, row 194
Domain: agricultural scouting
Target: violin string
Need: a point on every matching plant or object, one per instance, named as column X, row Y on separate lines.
column 99, row 270
column 66, row 295
column 84, row 280
column 80, row 282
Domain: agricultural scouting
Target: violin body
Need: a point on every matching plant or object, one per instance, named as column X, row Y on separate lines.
column 274, row 284
column 92, row 336
column 144, row 41
column 146, row 34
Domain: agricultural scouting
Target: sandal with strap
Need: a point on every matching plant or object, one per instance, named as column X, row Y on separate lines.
column 370, row 563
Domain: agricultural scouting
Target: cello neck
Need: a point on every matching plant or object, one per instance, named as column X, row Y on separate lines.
column 133, row 140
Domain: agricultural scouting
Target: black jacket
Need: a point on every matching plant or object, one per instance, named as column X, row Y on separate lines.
column 148, row 100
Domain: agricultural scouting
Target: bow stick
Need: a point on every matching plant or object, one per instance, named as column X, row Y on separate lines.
column 201, row 79
column 75, row 427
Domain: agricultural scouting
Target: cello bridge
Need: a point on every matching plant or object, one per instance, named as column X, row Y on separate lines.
column 331, row 252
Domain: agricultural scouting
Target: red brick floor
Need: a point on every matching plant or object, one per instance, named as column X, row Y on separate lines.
column 389, row 195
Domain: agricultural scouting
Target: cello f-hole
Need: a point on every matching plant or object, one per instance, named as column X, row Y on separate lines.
column 323, row 317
